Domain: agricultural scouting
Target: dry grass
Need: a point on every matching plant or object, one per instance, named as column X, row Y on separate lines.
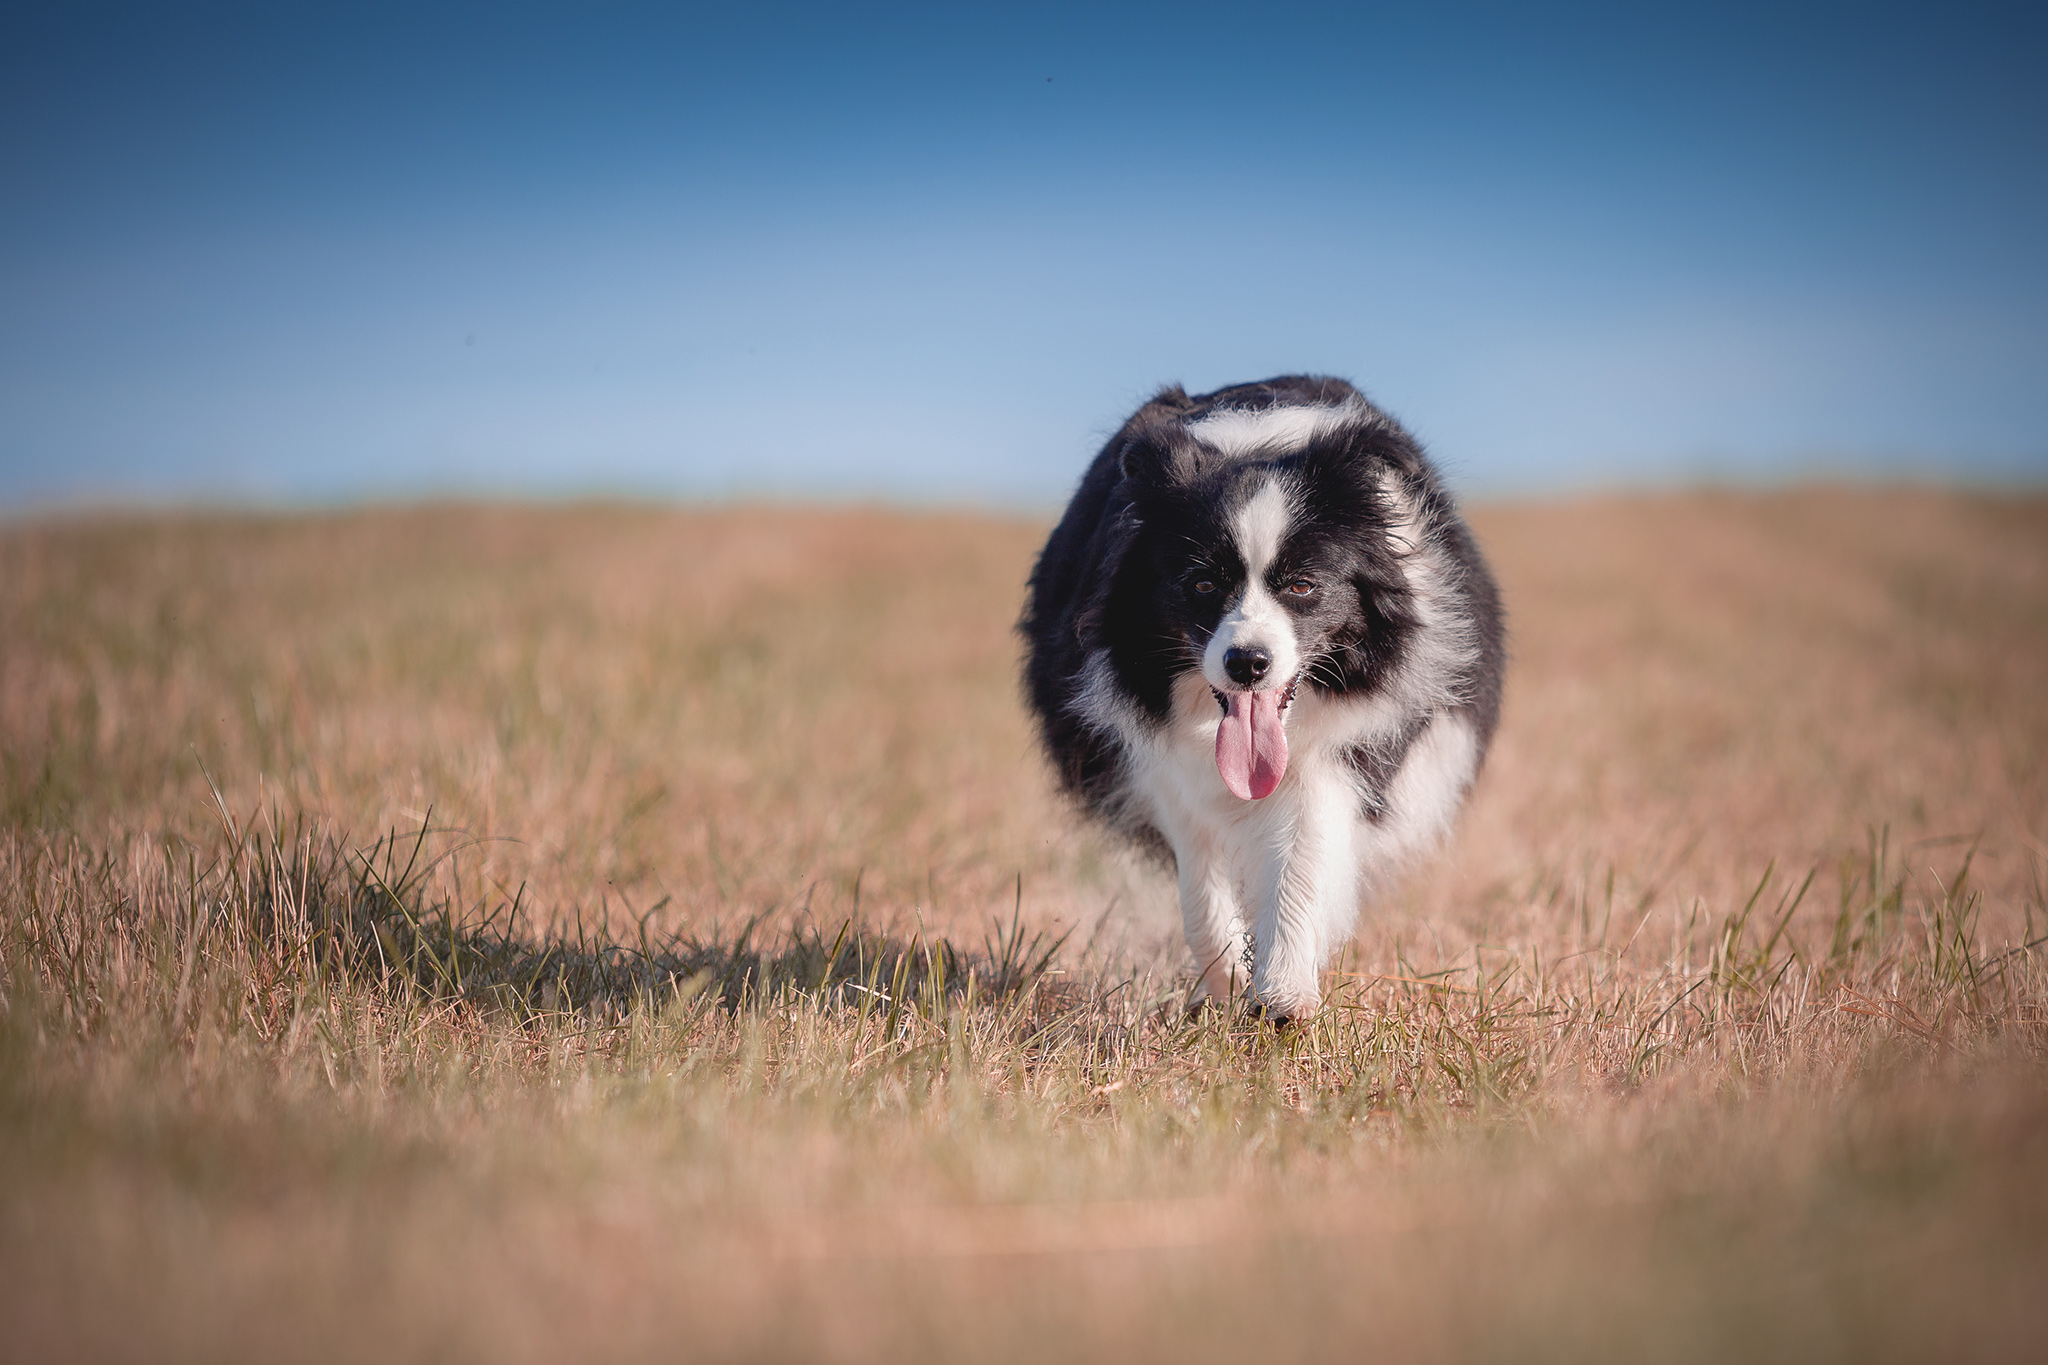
column 748, row 995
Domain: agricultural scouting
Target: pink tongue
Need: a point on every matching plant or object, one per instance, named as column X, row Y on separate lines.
column 1251, row 746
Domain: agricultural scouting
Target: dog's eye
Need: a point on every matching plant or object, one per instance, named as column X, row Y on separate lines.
column 1300, row 587
column 1202, row 587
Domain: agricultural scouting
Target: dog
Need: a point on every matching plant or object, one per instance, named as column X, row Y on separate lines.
column 1262, row 644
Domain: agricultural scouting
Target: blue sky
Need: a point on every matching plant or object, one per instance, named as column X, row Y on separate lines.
column 285, row 253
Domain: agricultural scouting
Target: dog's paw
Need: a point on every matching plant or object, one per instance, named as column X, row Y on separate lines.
column 1284, row 1011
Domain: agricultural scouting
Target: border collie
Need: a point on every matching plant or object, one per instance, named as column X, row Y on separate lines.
column 1263, row 645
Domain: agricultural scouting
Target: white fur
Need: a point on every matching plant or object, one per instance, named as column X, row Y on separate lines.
column 1261, row 525
column 1239, row 431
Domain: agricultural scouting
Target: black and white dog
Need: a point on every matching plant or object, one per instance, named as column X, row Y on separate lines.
column 1263, row 644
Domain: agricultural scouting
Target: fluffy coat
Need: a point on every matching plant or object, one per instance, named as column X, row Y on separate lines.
column 1263, row 644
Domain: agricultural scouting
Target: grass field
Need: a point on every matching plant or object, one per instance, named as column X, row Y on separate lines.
column 598, row 932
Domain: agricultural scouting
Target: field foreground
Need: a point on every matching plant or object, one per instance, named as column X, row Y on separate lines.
column 611, row 933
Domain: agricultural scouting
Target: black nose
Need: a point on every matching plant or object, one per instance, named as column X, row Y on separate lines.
column 1246, row 666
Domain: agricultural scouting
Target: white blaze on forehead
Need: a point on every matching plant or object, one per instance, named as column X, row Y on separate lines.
column 1260, row 526
column 1280, row 430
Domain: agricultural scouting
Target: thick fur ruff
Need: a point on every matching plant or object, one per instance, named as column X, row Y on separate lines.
column 1280, row 562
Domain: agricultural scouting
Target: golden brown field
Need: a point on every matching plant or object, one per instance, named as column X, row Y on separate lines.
column 626, row 933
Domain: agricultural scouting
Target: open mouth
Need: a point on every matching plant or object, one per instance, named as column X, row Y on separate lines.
column 1251, row 741
column 1286, row 695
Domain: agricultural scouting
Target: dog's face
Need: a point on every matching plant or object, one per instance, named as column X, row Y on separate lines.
column 1259, row 599
column 1267, row 574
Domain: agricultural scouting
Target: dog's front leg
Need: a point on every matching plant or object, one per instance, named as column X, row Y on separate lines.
column 1307, row 892
column 1209, row 917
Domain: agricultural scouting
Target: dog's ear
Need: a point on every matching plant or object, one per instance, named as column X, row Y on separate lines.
column 1360, row 454
column 1108, row 553
column 1159, row 455
column 1170, row 402
column 1152, row 449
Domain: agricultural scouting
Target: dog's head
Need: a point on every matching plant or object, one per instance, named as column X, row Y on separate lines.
column 1269, row 569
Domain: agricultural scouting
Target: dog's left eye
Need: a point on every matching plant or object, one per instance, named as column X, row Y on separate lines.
column 1300, row 587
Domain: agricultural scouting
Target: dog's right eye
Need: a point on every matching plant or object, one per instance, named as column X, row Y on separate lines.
column 1202, row 587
